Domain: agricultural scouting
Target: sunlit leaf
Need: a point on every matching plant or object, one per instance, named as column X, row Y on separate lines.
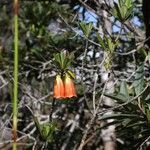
column 86, row 28
column 101, row 42
column 71, row 74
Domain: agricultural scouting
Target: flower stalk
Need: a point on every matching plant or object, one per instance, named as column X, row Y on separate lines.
column 15, row 89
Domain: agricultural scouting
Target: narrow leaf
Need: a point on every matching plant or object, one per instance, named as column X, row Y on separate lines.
column 101, row 42
column 117, row 116
column 124, row 90
column 138, row 83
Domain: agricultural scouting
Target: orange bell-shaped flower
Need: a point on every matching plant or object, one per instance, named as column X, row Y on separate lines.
column 69, row 87
column 58, row 87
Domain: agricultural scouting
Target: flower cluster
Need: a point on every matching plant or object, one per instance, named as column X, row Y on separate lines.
column 64, row 88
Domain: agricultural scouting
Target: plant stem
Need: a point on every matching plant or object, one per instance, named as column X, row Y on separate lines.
column 52, row 109
column 15, row 94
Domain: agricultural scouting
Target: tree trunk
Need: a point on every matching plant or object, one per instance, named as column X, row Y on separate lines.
column 108, row 134
column 146, row 14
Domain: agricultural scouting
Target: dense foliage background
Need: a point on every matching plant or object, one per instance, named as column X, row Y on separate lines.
column 112, row 67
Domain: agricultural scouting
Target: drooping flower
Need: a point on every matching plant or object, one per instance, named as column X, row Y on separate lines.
column 58, row 88
column 69, row 87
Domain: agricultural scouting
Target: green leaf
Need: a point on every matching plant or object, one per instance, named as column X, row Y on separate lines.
column 148, row 57
column 83, row 27
column 37, row 124
column 66, row 63
column 123, row 10
column 116, row 12
column 62, row 57
column 118, row 116
column 124, row 90
column 138, row 83
column 71, row 74
column 135, row 124
column 128, row 3
column 71, row 56
column 129, row 13
column 86, row 28
column 63, row 60
column 148, row 113
column 57, row 60
column 101, row 42
column 89, row 28
column 119, row 97
column 146, row 95
column 109, row 124
column 111, row 45
column 47, row 131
